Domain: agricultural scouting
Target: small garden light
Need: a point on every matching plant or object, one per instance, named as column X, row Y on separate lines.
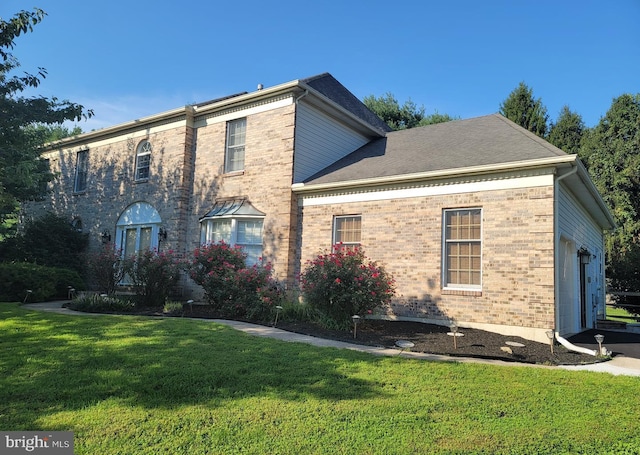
column 454, row 334
column 355, row 319
column 278, row 309
column 550, row 335
column 26, row 297
column 599, row 338
column 190, row 303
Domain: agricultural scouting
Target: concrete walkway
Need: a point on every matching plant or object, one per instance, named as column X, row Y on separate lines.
column 619, row 365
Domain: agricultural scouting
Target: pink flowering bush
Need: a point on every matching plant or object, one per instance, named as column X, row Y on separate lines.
column 105, row 268
column 345, row 283
column 232, row 288
column 153, row 275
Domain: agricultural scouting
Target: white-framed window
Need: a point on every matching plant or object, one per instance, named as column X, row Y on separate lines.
column 234, row 149
column 462, row 248
column 244, row 232
column 347, row 230
column 82, row 166
column 143, row 160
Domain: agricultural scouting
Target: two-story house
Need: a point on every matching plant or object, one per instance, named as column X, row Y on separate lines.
column 478, row 220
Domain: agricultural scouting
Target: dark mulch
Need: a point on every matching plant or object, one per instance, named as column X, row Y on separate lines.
column 433, row 339
column 428, row 338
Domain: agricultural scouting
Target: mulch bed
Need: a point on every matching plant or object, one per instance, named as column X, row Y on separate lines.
column 433, row 339
column 427, row 338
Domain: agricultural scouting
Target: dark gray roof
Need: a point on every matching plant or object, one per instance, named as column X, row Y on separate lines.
column 327, row 85
column 480, row 141
column 232, row 207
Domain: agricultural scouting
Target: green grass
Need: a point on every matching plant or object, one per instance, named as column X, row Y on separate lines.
column 133, row 385
column 620, row 314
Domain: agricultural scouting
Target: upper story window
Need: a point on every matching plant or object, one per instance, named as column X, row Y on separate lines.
column 82, row 166
column 462, row 249
column 234, row 150
column 347, row 230
column 143, row 159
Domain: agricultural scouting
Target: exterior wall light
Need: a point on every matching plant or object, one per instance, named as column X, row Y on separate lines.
column 162, row 235
column 105, row 236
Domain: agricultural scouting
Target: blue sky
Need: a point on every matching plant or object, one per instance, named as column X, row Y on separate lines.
column 129, row 59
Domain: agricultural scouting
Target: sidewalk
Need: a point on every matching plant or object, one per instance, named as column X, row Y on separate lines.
column 619, row 365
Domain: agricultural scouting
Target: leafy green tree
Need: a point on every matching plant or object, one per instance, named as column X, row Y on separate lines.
column 402, row 117
column 525, row 110
column 436, row 117
column 611, row 152
column 566, row 133
column 22, row 172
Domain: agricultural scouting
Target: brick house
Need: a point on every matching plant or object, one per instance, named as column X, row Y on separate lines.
column 478, row 220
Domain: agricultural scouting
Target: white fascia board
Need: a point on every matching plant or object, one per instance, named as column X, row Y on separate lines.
column 522, row 166
column 87, row 143
column 242, row 111
column 428, row 189
column 163, row 121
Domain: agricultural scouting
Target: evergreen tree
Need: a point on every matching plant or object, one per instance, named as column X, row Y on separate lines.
column 525, row 110
column 566, row 133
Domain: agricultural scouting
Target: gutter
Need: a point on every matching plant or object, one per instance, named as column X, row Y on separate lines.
column 429, row 175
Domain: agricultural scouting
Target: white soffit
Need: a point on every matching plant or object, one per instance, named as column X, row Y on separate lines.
column 426, row 190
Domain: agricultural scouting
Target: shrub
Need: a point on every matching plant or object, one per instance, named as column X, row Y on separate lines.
column 345, row 283
column 101, row 303
column 232, row 288
column 51, row 241
column 105, row 268
column 45, row 283
column 153, row 275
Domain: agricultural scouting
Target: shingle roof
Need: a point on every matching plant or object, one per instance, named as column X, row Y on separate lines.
column 327, row 85
column 480, row 141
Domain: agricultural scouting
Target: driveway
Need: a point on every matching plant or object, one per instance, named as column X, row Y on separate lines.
column 619, row 343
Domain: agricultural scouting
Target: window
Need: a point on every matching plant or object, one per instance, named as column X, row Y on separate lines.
column 82, row 164
column 462, row 248
column 346, row 230
column 143, row 158
column 246, row 233
column 234, row 153
column 236, row 222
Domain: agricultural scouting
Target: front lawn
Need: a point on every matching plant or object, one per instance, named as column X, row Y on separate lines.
column 136, row 385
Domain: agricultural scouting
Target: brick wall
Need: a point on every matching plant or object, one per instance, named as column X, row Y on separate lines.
column 265, row 181
column 405, row 235
column 111, row 185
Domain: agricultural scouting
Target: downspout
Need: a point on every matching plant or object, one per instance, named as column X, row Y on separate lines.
column 564, row 342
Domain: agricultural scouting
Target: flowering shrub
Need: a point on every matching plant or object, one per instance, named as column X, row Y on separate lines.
column 153, row 275
column 234, row 289
column 105, row 268
column 345, row 283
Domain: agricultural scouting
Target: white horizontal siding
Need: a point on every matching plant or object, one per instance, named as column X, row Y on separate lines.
column 320, row 140
column 577, row 229
column 575, row 223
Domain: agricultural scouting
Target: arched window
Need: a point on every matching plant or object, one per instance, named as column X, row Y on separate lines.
column 143, row 160
column 137, row 229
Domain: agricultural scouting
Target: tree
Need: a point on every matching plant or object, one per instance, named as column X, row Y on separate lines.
column 611, row 152
column 525, row 110
column 566, row 133
column 22, row 172
column 402, row 117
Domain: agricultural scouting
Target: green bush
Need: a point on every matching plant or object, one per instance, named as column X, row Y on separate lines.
column 51, row 241
column 105, row 268
column 345, row 283
column 101, row 303
column 45, row 283
column 233, row 289
column 154, row 276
